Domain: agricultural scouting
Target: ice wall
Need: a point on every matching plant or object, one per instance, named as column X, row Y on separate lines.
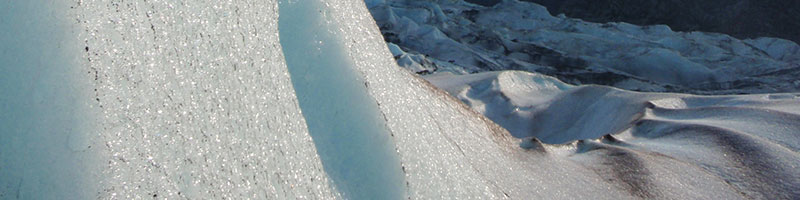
column 44, row 149
column 349, row 130
column 188, row 99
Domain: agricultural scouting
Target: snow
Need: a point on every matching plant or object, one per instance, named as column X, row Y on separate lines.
column 746, row 141
column 509, row 98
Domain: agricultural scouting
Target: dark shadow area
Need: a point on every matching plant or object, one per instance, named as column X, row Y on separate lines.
column 739, row 18
column 484, row 2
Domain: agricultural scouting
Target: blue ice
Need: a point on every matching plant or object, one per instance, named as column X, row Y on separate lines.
column 344, row 121
column 42, row 143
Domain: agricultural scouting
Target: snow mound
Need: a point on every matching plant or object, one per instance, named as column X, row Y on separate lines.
column 747, row 141
column 509, row 98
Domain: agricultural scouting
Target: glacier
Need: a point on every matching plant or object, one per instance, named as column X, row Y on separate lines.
column 461, row 37
column 304, row 100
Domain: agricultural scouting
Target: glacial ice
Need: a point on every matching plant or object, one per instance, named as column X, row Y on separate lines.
column 209, row 99
column 156, row 99
column 348, row 129
column 44, row 152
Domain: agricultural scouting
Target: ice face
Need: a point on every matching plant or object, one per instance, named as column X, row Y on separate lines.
column 198, row 102
column 187, row 99
column 348, row 128
column 44, row 129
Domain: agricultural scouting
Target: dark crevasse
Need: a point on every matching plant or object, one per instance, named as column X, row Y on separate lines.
column 344, row 121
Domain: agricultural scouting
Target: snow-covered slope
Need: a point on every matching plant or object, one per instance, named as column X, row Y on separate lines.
column 507, row 97
column 464, row 38
column 447, row 150
column 750, row 142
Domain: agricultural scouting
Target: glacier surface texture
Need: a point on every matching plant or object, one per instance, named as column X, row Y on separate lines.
column 302, row 99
